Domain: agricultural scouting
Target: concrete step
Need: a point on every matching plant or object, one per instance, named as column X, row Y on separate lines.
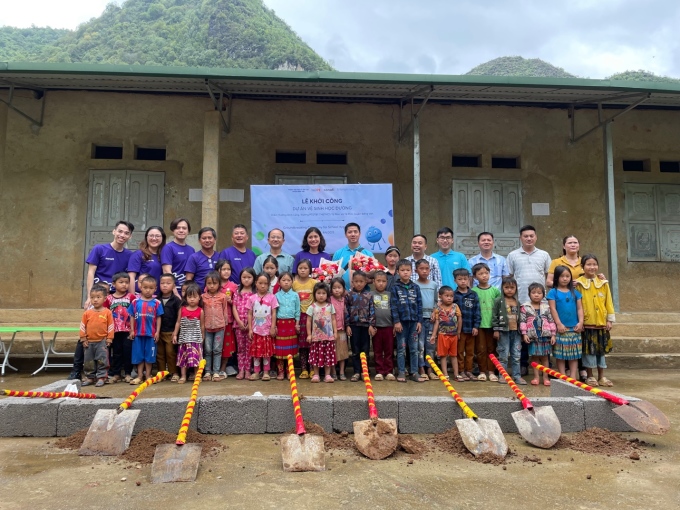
column 646, row 345
column 647, row 317
column 646, row 330
column 639, row 361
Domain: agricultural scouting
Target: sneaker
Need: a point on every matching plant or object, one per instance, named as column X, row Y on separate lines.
column 74, row 376
column 390, row 377
column 231, row 370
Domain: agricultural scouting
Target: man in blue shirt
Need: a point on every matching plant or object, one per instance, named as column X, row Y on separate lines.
column 353, row 234
column 497, row 263
column 448, row 259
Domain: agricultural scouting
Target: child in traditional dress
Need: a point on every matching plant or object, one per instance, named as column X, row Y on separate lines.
column 189, row 330
column 567, row 311
column 341, row 345
column 229, row 288
column 303, row 284
column 287, row 324
column 322, row 333
column 261, row 326
column 538, row 329
column 240, row 311
column 598, row 316
column 215, row 316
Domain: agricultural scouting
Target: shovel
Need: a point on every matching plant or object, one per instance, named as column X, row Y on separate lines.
column 50, row 394
column 641, row 415
column 375, row 438
column 111, row 429
column 301, row 451
column 179, row 462
column 539, row 426
column 479, row 435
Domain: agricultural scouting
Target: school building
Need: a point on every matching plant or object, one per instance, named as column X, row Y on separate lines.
column 82, row 146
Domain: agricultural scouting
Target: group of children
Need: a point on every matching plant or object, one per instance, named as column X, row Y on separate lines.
column 269, row 316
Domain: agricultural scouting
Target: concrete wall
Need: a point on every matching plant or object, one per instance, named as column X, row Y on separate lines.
column 44, row 173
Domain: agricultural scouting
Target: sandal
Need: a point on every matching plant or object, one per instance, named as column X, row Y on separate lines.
column 342, row 377
column 181, row 380
column 216, row 378
column 471, row 376
column 591, row 381
column 460, row 378
column 605, row 382
column 418, row 378
column 279, row 376
column 175, row 378
column 401, row 377
column 546, row 382
column 378, row 377
column 355, row 378
column 433, row 376
column 390, row 377
column 315, row 378
column 304, row 375
column 520, row 382
column 240, row 376
column 254, row 377
column 464, row 377
column 136, row 381
column 207, row 377
column 534, row 382
column 481, row 377
column 493, row 377
column 328, row 379
column 266, row 376
column 113, row 380
column 128, row 379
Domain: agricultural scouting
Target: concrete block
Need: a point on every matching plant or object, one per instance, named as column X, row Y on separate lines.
column 162, row 413
column 232, row 415
column 60, row 385
column 427, row 415
column 564, row 389
column 280, row 416
column 598, row 413
column 496, row 408
column 28, row 417
column 570, row 411
column 75, row 415
column 347, row 410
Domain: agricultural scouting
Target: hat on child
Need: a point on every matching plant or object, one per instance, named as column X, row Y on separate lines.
column 391, row 249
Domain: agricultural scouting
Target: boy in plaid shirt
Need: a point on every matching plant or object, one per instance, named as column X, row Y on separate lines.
column 468, row 302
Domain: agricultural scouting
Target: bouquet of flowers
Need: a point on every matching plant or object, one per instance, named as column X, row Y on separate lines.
column 327, row 270
column 364, row 263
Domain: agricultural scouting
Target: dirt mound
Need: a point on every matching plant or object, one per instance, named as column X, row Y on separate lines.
column 603, row 442
column 451, row 442
column 143, row 445
column 412, row 446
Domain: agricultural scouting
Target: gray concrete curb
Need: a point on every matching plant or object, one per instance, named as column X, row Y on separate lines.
column 230, row 414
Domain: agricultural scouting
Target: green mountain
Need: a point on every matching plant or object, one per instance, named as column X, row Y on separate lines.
column 641, row 75
column 197, row 33
column 519, row 66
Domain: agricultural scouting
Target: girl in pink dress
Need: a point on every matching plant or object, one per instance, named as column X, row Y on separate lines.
column 240, row 310
column 262, row 326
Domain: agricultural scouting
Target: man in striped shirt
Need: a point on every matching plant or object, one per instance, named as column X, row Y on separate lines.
column 418, row 247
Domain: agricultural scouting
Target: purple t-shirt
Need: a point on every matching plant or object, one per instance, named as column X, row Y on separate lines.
column 108, row 262
column 138, row 265
column 200, row 265
column 315, row 258
column 177, row 256
column 238, row 260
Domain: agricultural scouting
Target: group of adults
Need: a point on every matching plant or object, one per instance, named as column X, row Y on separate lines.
column 156, row 256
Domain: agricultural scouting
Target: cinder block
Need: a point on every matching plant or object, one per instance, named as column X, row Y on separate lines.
column 427, row 415
column 232, row 415
column 75, row 415
column 280, row 416
column 496, row 408
column 347, row 410
column 560, row 388
column 60, row 385
column 598, row 413
column 28, row 417
column 162, row 413
column 570, row 411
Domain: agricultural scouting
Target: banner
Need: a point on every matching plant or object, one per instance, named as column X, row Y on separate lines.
column 329, row 207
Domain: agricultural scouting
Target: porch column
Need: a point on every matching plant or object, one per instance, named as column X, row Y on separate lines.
column 212, row 129
column 611, row 213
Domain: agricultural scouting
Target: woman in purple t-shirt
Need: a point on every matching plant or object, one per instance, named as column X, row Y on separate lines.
column 147, row 259
column 313, row 246
column 204, row 260
column 176, row 253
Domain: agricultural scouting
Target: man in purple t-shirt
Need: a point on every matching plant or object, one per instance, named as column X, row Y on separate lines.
column 104, row 261
column 238, row 255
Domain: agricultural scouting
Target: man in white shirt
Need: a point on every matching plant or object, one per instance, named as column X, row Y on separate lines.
column 528, row 264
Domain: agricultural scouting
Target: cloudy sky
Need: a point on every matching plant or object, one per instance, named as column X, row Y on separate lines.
column 589, row 38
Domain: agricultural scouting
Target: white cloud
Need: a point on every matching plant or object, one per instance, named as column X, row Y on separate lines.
column 52, row 13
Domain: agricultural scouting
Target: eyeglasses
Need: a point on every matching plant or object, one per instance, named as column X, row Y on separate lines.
column 446, row 238
column 155, row 236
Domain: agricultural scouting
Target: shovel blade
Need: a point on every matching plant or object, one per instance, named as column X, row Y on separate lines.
column 482, row 436
column 540, row 427
column 303, row 453
column 109, row 433
column 376, row 439
column 173, row 463
column 644, row 416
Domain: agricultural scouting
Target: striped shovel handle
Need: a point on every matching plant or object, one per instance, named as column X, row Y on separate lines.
column 299, row 422
column 526, row 403
column 372, row 409
column 468, row 412
column 184, row 428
